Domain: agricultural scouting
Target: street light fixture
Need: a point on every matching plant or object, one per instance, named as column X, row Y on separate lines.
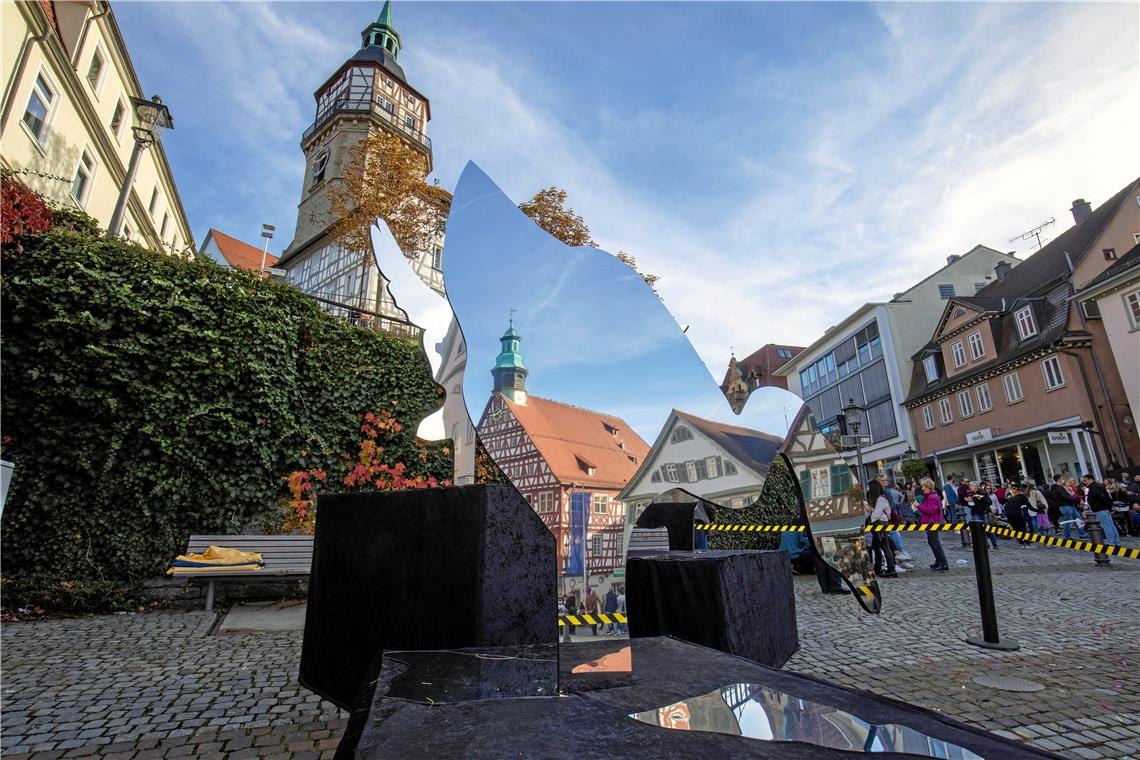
column 267, row 231
column 151, row 119
column 854, row 422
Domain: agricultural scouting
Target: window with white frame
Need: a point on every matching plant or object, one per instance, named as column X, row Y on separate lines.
column 711, row 468
column 944, row 411
column 1012, row 384
column 165, row 224
column 119, row 119
column 985, row 403
column 959, row 353
column 601, row 503
column 410, row 122
column 927, row 417
column 84, row 173
column 691, row 471
column 1026, row 324
column 1051, row 367
column 1132, row 307
column 930, row 366
column 546, row 501
column 671, row 472
column 820, row 483
column 41, row 105
column 437, row 257
column 977, row 347
column 153, row 200
column 966, row 404
column 96, row 70
column 596, row 545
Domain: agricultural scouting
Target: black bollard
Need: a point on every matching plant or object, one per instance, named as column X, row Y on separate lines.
column 989, row 639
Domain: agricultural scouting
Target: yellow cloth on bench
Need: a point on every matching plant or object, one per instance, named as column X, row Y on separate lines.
column 221, row 558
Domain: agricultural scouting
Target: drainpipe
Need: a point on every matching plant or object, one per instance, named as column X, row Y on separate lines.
column 83, row 37
column 10, row 93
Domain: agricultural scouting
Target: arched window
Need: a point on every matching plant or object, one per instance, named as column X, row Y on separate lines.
column 681, row 434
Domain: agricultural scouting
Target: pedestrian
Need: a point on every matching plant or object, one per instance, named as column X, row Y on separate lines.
column 950, row 490
column 1101, row 505
column 591, row 607
column 881, row 550
column 930, row 511
column 610, row 607
column 1066, row 503
column 622, row 627
column 1016, row 511
column 1038, row 508
column 795, row 543
column 977, row 505
column 571, row 604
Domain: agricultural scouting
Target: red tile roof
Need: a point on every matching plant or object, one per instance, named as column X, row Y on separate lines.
column 240, row 255
column 569, row 437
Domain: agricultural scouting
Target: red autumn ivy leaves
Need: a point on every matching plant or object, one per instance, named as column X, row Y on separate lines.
column 366, row 473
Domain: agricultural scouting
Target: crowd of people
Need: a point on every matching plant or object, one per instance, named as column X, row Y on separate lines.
column 592, row 604
column 1055, row 509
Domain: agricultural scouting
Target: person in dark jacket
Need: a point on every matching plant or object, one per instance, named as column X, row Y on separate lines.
column 1017, row 511
column 1101, row 505
column 1067, row 505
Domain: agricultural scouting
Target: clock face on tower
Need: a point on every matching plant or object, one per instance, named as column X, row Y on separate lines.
column 319, row 165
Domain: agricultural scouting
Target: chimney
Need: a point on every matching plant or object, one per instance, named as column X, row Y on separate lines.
column 1002, row 269
column 952, row 258
column 1081, row 210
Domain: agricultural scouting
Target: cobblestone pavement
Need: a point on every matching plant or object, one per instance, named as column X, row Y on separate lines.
column 157, row 684
column 1077, row 625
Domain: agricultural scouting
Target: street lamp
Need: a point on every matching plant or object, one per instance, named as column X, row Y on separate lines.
column 854, row 423
column 151, row 118
column 267, row 231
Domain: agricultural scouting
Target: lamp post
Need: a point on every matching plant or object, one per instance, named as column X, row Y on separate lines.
column 854, row 423
column 151, row 118
column 267, row 231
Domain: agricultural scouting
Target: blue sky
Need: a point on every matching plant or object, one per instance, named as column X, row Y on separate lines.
column 760, row 157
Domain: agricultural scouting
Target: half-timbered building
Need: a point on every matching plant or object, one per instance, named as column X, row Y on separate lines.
column 569, row 463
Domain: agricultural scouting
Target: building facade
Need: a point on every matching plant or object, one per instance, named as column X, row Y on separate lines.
column 228, row 251
column 1020, row 380
column 759, row 367
column 368, row 93
column 569, row 463
column 65, row 129
column 867, row 359
column 1113, row 297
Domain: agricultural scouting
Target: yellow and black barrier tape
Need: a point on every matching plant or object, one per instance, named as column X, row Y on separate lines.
column 601, row 618
column 749, row 528
column 879, row 527
column 1066, row 543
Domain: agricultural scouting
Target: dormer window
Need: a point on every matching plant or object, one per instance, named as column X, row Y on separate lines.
column 1026, row 324
column 977, row 348
column 930, row 366
column 612, row 430
column 585, row 465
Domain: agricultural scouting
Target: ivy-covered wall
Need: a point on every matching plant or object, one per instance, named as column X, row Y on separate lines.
column 779, row 504
column 147, row 398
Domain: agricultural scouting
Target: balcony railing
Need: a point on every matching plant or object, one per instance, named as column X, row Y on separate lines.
column 346, row 106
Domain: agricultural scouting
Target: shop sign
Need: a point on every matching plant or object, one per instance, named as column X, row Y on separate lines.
column 1058, row 438
column 979, row 436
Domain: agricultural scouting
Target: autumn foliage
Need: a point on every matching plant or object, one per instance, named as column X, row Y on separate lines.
column 368, row 472
column 22, row 212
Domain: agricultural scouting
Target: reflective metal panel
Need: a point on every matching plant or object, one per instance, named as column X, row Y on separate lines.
column 759, row 712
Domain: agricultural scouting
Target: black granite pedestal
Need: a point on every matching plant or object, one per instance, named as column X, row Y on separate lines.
column 586, row 724
column 436, row 568
column 742, row 603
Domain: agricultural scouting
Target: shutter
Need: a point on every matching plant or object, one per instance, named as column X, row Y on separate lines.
column 840, row 479
column 805, row 484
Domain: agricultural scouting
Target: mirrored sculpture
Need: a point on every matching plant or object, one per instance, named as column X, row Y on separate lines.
column 755, row 711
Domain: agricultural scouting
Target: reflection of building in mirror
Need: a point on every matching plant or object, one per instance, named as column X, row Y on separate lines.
column 569, row 463
column 724, row 464
column 824, row 476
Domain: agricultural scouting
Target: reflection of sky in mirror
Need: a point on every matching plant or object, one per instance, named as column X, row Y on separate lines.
column 593, row 334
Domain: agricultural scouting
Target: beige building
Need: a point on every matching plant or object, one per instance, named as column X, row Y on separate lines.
column 369, row 92
column 1023, row 380
column 67, row 118
column 867, row 358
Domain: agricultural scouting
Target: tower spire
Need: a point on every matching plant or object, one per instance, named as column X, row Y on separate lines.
column 509, row 371
column 381, row 33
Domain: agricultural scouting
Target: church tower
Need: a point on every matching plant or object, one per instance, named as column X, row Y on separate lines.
column 509, row 372
column 369, row 92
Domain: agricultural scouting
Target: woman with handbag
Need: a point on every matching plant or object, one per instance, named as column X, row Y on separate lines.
column 880, row 518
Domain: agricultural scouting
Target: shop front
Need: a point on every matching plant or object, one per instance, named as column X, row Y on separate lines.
column 1062, row 448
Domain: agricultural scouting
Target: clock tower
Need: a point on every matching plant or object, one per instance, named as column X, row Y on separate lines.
column 369, row 92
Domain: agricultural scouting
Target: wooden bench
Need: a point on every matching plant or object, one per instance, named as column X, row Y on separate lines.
column 285, row 557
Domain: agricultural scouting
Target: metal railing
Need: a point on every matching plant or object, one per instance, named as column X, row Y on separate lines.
column 366, row 106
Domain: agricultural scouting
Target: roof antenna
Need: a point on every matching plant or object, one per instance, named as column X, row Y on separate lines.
column 1034, row 233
